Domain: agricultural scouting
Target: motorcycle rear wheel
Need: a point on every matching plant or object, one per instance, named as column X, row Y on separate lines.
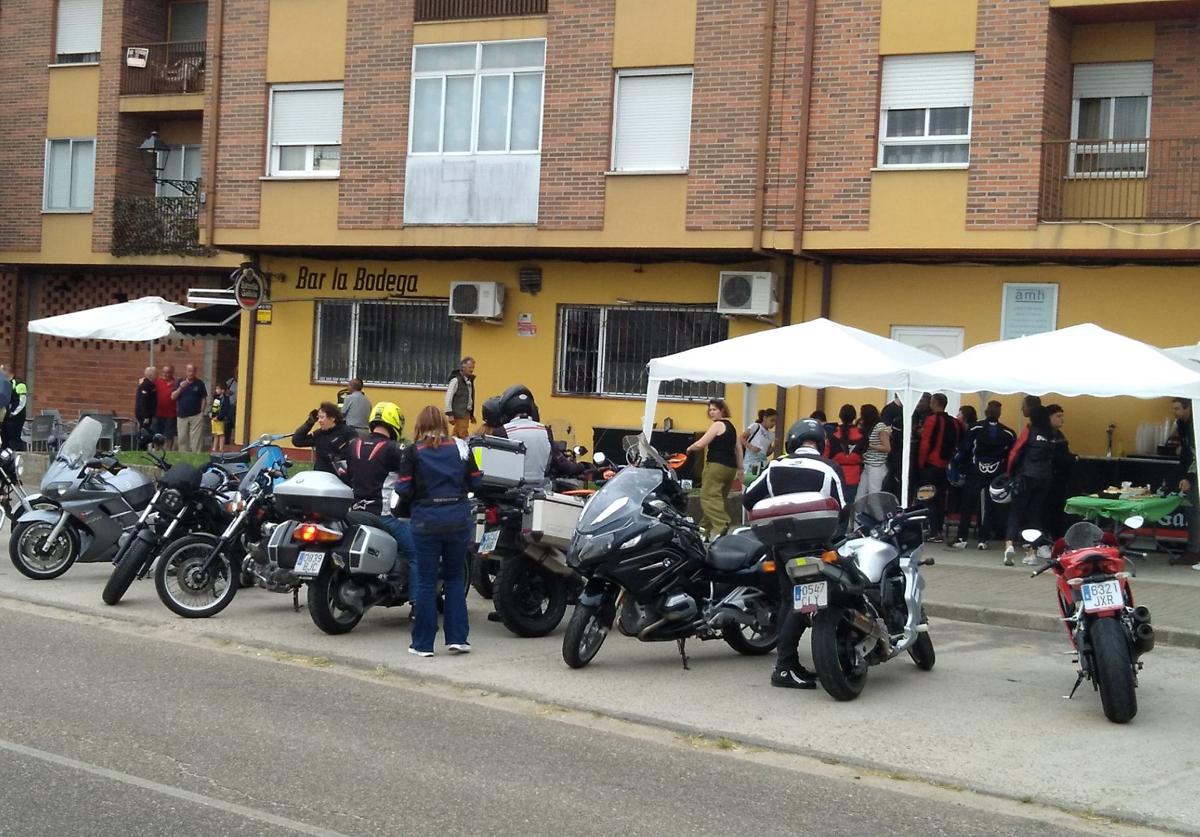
column 585, row 634
column 530, row 599
column 137, row 555
column 185, row 588
column 326, row 607
column 24, row 550
column 1112, row 666
column 841, row 672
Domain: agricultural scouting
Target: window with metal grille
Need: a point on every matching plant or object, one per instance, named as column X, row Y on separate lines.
column 402, row 343
column 604, row 350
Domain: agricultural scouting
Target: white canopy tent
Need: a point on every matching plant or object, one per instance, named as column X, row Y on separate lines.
column 817, row 353
column 141, row 320
column 1078, row 360
column 1189, row 356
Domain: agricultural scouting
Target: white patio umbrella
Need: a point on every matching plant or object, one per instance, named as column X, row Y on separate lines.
column 138, row 320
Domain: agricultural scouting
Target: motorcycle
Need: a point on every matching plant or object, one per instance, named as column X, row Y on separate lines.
column 1108, row 632
column 14, row 499
column 198, row 575
column 232, row 466
column 865, row 596
column 647, row 569
column 95, row 500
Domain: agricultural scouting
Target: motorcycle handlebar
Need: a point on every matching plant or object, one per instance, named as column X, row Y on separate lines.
column 1043, row 568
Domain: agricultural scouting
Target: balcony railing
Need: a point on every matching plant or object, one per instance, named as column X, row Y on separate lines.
column 1121, row 180
column 427, row 10
column 146, row 226
column 176, row 67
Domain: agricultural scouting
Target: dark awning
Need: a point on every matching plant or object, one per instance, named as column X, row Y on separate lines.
column 209, row 321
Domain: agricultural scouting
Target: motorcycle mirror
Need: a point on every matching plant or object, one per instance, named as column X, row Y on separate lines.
column 159, row 440
column 657, row 505
column 1135, row 522
column 598, row 458
column 1031, row 535
column 265, row 438
column 579, row 450
column 926, row 492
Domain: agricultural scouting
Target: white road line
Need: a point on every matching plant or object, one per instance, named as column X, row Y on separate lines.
column 168, row 790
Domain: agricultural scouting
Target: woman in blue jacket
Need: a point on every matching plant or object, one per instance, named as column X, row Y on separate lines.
column 434, row 478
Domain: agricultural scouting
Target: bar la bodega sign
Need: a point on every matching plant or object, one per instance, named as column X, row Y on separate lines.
column 249, row 290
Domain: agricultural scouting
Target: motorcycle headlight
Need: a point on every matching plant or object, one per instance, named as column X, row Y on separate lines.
column 20, row 466
column 592, row 547
column 236, row 505
column 59, row 488
column 170, row 500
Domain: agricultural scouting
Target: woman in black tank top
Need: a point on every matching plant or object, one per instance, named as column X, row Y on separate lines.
column 723, row 465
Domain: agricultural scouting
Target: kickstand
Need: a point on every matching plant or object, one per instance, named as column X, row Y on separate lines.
column 683, row 654
column 296, row 599
column 1075, row 688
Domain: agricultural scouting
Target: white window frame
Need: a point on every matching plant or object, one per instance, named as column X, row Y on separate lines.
column 642, row 73
column 477, row 74
column 272, row 171
column 69, row 59
column 925, row 139
column 69, row 210
column 1115, row 145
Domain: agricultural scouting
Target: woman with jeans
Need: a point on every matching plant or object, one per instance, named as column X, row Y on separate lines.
column 434, row 478
column 723, row 464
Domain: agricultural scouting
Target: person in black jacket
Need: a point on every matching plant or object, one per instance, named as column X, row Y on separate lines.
column 803, row 469
column 1032, row 471
column 983, row 457
column 1187, row 481
column 1061, row 462
column 328, row 434
column 146, row 401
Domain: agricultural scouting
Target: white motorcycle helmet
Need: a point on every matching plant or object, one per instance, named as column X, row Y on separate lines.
column 1001, row 489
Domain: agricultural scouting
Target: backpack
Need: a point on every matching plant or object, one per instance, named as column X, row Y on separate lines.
column 949, row 446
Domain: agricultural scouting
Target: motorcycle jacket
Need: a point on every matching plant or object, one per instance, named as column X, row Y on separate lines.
column 986, row 448
column 804, row 470
column 434, row 479
column 1035, row 459
column 330, row 446
column 371, row 461
column 542, row 458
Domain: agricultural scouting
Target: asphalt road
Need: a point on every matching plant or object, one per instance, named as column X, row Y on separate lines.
column 120, row 730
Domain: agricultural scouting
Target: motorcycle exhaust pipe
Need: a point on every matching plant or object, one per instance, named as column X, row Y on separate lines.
column 1143, row 638
column 867, row 626
column 1141, row 615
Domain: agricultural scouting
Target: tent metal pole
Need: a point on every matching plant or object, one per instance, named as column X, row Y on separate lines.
column 651, row 404
column 906, row 454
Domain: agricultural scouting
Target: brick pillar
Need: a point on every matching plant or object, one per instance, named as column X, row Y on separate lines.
column 242, row 145
column 577, row 114
column 784, row 130
column 1174, row 184
column 378, row 68
column 26, row 29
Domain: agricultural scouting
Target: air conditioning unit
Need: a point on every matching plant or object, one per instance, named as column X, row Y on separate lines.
column 477, row 300
column 747, row 294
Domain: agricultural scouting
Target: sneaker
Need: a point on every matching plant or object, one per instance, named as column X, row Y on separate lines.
column 417, row 653
column 959, row 544
column 459, row 648
column 1196, row 567
column 1030, row 558
column 936, row 539
column 1009, row 554
column 797, row 678
column 983, row 546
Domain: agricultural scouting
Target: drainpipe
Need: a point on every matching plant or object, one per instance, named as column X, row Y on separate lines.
column 217, row 10
column 246, row 387
column 764, row 125
column 789, row 281
column 826, row 296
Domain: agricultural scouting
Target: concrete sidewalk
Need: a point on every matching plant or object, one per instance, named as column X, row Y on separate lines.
column 973, row 586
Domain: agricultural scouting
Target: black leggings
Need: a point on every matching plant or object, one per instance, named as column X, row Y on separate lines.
column 1028, row 506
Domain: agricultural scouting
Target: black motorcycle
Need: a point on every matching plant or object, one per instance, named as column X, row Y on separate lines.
column 649, row 571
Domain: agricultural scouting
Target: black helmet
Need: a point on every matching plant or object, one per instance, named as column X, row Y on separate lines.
column 492, row 416
column 518, row 400
column 805, row 430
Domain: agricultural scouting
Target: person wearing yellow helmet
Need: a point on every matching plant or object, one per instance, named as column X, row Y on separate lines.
column 387, row 414
column 372, row 464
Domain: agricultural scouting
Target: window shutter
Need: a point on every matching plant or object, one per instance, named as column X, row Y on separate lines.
column 928, row 81
column 1128, row 78
column 654, row 122
column 79, row 26
column 307, row 117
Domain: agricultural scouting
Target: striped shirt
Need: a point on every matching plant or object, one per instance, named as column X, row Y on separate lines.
column 871, row 456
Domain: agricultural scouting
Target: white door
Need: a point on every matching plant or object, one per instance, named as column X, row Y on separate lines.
column 937, row 340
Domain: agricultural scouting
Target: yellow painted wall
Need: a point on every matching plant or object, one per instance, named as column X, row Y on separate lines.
column 68, row 236
column 306, row 41
column 181, row 133
column 1096, row 43
column 73, row 102
column 1105, row 198
column 658, row 34
column 167, row 103
column 503, row 29
column 298, row 205
column 926, row 26
column 634, row 204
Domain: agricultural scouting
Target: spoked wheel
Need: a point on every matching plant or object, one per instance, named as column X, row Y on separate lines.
column 1113, row 670
column 330, row 608
column 840, row 668
column 35, row 557
column 585, row 634
column 190, row 588
column 759, row 638
column 530, row 599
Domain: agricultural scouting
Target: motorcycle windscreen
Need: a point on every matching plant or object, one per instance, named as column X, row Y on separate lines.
column 619, row 499
column 254, row 475
column 870, row 510
column 78, row 448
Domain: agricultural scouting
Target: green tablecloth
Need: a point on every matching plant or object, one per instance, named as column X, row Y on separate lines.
column 1151, row 507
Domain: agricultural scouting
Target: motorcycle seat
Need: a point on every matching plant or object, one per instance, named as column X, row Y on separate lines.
column 734, row 552
column 358, row 517
column 234, row 458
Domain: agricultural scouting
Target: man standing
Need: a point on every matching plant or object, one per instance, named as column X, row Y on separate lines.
column 191, row 399
column 939, row 443
column 14, row 424
column 460, row 398
column 1187, row 482
column 985, row 457
column 165, row 415
column 145, row 402
column 356, row 409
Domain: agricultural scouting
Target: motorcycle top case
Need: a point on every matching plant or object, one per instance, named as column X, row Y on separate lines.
column 500, row 461
column 314, row 493
column 803, row 517
column 372, row 552
column 552, row 519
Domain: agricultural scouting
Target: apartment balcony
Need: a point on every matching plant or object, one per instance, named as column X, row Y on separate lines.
column 1121, row 180
column 165, row 77
column 432, row 10
column 146, row 226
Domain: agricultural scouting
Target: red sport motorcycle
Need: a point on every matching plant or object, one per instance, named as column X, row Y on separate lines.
column 1108, row 632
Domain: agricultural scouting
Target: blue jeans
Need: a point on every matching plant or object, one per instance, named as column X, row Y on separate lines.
column 401, row 531
column 446, row 551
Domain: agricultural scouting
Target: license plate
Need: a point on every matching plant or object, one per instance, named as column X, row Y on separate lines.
column 309, row 563
column 1106, row 595
column 488, row 544
column 809, row 598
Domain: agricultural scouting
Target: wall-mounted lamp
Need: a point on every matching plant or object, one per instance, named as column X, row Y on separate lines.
column 154, row 147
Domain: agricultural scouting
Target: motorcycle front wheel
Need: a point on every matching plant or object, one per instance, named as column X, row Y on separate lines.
column 186, row 587
column 530, row 599
column 757, row 639
column 585, row 634
column 37, row 559
column 842, row 672
column 1112, row 666
column 483, row 575
column 137, row 556
column 326, row 606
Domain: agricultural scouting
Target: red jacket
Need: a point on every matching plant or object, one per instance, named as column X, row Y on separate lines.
column 939, row 441
column 845, row 455
column 166, row 405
